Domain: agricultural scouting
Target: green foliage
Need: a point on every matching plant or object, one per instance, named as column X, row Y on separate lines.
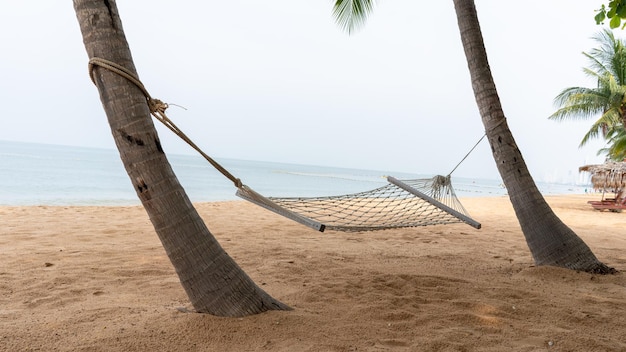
column 352, row 14
column 615, row 11
column 607, row 66
column 616, row 149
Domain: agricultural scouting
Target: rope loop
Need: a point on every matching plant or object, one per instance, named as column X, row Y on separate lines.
column 157, row 109
column 119, row 69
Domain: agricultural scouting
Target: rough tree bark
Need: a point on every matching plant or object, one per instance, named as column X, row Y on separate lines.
column 550, row 241
column 213, row 281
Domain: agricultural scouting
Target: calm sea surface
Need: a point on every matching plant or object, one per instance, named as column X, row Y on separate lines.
column 38, row 174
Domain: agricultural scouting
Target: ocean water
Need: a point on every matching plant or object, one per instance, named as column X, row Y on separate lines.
column 39, row 174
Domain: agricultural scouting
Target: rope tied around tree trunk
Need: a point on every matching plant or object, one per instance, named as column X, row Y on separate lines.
column 405, row 203
column 157, row 109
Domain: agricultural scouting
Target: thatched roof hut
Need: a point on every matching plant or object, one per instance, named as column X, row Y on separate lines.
column 607, row 176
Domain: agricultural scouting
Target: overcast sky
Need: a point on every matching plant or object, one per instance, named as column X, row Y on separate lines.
column 279, row 81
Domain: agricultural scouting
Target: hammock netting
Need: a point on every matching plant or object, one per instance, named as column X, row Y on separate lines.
column 406, row 203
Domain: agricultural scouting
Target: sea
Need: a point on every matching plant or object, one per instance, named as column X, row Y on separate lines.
column 42, row 174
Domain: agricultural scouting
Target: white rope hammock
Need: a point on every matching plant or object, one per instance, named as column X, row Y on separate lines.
column 407, row 203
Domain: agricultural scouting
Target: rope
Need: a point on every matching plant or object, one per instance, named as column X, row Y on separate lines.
column 157, row 109
column 475, row 145
column 400, row 204
column 468, row 153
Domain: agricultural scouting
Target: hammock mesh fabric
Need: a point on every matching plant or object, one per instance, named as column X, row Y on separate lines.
column 400, row 204
column 406, row 203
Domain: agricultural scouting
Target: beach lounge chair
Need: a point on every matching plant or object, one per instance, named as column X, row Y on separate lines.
column 616, row 204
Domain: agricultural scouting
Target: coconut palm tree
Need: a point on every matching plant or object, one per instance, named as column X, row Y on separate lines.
column 213, row 282
column 550, row 241
column 608, row 99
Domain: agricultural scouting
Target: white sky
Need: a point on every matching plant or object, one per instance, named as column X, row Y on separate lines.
column 279, row 81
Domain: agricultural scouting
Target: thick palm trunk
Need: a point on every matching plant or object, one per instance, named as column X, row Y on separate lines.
column 214, row 283
column 550, row 241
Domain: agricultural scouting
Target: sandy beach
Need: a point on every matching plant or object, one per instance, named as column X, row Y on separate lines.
column 98, row 279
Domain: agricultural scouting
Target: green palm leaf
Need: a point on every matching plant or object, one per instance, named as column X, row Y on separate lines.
column 352, row 14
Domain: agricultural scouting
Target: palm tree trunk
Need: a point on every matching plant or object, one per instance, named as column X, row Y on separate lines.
column 213, row 281
column 551, row 242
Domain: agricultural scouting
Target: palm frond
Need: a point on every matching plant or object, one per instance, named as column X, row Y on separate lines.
column 609, row 57
column 616, row 137
column 578, row 95
column 350, row 15
column 596, row 64
column 575, row 112
column 602, row 127
column 578, row 103
column 590, row 135
column 591, row 73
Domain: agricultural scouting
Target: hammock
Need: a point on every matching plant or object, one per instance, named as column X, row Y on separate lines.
column 407, row 203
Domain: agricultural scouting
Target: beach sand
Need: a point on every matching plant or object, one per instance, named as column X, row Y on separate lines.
column 98, row 279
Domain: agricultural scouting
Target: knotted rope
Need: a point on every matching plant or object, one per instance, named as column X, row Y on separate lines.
column 157, row 109
column 399, row 204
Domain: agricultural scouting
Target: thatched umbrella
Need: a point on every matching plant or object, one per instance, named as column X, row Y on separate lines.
column 610, row 175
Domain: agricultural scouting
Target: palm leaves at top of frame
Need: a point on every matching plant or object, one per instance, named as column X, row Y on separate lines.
column 352, row 14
